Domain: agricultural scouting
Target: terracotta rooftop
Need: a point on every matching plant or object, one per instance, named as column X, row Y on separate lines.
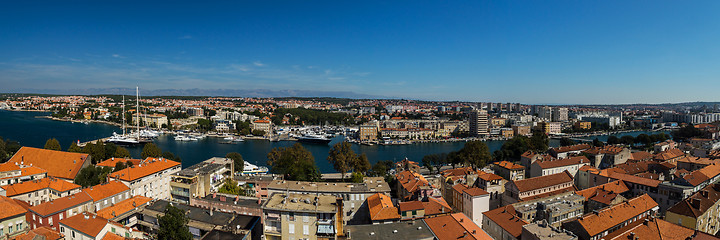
column 105, row 190
column 604, row 193
column 698, row 203
column 58, row 164
column 635, row 179
column 8, row 167
column 488, row 176
column 475, row 191
column 507, row 219
column 458, row 172
column 455, row 226
column 411, row 181
column 113, row 161
column 10, row 207
column 653, row 228
column 602, row 220
column 381, row 208
column 123, row 207
column 668, row 154
column 409, row 206
column 699, row 176
column 607, row 149
column 543, row 181
column 39, row 184
column 634, row 167
column 148, row 167
column 87, row 223
column 49, row 208
column 42, row 232
column 509, row 165
column 576, row 147
column 641, row 156
column 698, row 160
column 436, row 206
column 563, row 162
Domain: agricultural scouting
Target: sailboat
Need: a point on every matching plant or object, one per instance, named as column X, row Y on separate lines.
column 124, row 138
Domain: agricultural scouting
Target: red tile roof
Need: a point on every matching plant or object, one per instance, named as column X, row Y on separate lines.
column 10, row 207
column 409, row 206
column 40, row 184
column 436, row 206
column 704, row 199
column 543, row 181
column 604, row 193
column 61, row 204
column 58, row 164
column 641, row 156
column 381, row 208
column 668, row 154
column 455, row 226
column 123, row 207
column 105, row 190
column 411, row 181
column 507, row 219
column 596, row 223
column 148, row 167
column 563, row 162
column 475, row 191
column 509, row 165
column 42, row 232
column 635, row 179
column 87, row 223
column 113, row 161
column 654, row 228
column 576, row 147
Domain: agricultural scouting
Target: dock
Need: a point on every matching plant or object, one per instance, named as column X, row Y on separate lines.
column 83, row 144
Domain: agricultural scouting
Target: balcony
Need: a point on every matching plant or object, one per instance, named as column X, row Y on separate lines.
column 180, row 193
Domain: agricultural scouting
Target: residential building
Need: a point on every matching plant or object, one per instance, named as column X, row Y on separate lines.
column 563, row 152
column 552, row 209
column 381, row 209
column 596, row 225
column 508, row 170
column 262, row 125
column 368, row 133
column 200, row 179
column 353, row 195
column 11, row 173
column 125, row 212
column 12, row 217
column 154, row 120
column 493, row 184
column 522, row 130
column 583, row 125
column 503, row 223
column 58, row 164
column 455, row 226
column 90, row 226
column 537, row 187
column 201, row 221
column 50, row 213
column 550, row 127
column 433, row 206
column 543, row 231
column 414, row 230
column 529, row 157
column 475, row 202
column 570, row 164
column 559, row 114
column 699, row 211
column 478, row 120
column 302, row 216
column 413, row 186
column 39, row 191
column 607, row 156
column 107, row 194
column 151, row 178
column 248, row 206
column 655, row 228
column 605, row 195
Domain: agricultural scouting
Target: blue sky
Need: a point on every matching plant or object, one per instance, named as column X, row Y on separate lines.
column 520, row 51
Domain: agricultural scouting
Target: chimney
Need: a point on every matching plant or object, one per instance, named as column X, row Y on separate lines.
column 339, row 217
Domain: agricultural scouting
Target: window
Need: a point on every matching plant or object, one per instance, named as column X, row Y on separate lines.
column 291, row 216
column 306, row 218
column 291, row 228
column 414, row 212
column 306, row 230
column 62, row 229
column 73, row 234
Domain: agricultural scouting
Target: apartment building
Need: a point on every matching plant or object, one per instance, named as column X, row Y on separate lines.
column 596, row 225
column 607, row 156
column 604, row 195
column 125, row 212
column 478, row 121
column 537, row 187
column 475, row 202
column 433, row 206
column 570, row 164
column 48, row 214
column 508, row 170
column 12, row 217
column 107, row 194
column 368, row 133
column 11, row 173
column 154, row 120
column 699, row 211
column 262, row 125
column 503, row 223
column 550, row 127
column 559, row 114
column 353, row 195
column 151, row 178
column 413, row 186
column 552, row 209
column 39, row 191
column 90, row 226
column 200, row 179
column 382, row 210
column 302, row 216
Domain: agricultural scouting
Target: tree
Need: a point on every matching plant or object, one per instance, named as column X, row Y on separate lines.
column 627, row 140
column 513, row 148
column 258, row 132
column 597, row 143
column 566, row 142
column 231, row 187
column 173, row 225
column 613, row 140
column 427, row 162
column 171, row 156
column 357, row 177
column 539, row 141
column 476, row 153
column 687, row 132
column 3, row 153
column 74, row 148
column 119, row 166
column 362, row 165
column 96, row 151
column 52, row 144
column 342, row 157
column 121, row 152
column 644, row 139
column 91, row 176
column 295, row 163
column 151, row 150
column 238, row 161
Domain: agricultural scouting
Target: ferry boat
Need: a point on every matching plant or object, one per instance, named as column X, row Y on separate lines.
column 251, row 169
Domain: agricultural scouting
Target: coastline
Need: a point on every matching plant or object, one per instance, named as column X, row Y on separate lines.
column 83, row 121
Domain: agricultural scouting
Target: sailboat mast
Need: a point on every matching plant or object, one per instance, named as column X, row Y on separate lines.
column 123, row 114
column 137, row 110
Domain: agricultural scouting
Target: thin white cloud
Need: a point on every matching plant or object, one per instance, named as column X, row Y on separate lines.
column 258, row 63
column 117, row 56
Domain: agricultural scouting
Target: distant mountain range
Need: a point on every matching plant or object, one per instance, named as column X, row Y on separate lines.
column 261, row 93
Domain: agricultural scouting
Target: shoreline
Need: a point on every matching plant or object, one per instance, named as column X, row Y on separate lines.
column 83, row 121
